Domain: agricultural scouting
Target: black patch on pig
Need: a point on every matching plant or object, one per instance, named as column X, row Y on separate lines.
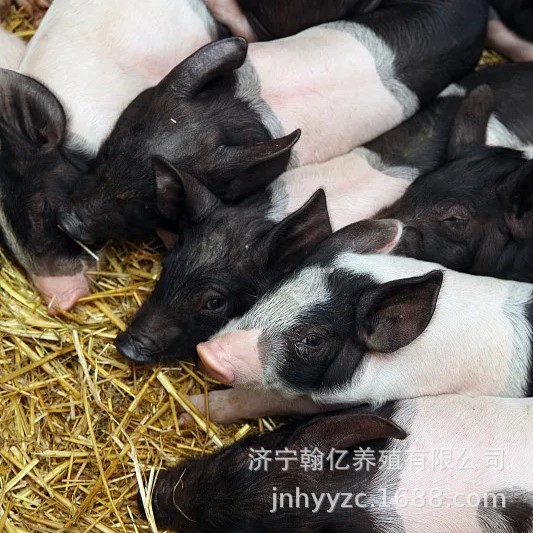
column 456, row 19
column 335, row 365
column 517, row 514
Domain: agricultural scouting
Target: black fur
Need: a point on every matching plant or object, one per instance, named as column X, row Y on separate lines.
column 517, row 513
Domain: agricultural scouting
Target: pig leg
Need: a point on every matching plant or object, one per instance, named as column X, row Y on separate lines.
column 229, row 13
column 227, row 406
column 508, row 43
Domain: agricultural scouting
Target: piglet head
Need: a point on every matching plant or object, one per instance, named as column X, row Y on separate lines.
column 216, row 268
column 308, row 334
column 195, row 121
column 37, row 173
column 227, row 492
column 473, row 213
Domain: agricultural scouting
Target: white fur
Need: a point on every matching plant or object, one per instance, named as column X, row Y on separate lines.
column 453, row 90
column 337, row 82
column 97, row 55
column 11, row 50
column 478, row 341
column 354, row 189
column 499, row 135
column 478, row 426
column 300, row 292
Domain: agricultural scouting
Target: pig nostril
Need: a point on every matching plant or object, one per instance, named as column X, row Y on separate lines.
column 132, row 348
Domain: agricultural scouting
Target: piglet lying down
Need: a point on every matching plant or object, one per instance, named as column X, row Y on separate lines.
column 484, row 487
column 352, row 326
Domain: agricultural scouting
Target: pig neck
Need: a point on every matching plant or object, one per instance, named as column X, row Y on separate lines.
column 325, row 81
column 355, row 190
column 478, row 341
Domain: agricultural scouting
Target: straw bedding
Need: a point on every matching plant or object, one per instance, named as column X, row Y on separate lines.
column 81, row 429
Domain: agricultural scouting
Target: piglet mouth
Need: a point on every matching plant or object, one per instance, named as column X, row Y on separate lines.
column 62, row 293
column 216, row 361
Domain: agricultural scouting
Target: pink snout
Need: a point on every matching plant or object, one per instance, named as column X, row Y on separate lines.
column 62, row 292
column 233, row 358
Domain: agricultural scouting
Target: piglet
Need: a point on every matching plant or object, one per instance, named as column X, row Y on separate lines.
column 433, row 464
column 474, row 214
column 11, row 50
column 230, row 114
column 352, row 326
column 35, row 181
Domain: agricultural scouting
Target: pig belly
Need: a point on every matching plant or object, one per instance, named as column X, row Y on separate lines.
column 354, row 190
column 471, row 429
column 11, row 50
column 326, row 82
column 96, row 60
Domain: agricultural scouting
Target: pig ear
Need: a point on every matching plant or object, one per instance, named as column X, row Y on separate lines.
column 394, row 314
column 177, row 189
column 292, row 239
column 256, row 165
column 31, row 117
column 470, row 125
column 515, row 193
column 349, row 430
column 367, row 236
column 206, row 64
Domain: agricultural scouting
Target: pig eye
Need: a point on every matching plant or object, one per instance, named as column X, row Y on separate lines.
column 313, row 341
column 454, row 219
column 215, row 304
column 454, row 214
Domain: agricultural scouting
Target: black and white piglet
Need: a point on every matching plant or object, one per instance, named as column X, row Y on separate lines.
column 435, row 465
column 228, row 251
column 225, row 114
column 475, row 213
column 352, row 326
